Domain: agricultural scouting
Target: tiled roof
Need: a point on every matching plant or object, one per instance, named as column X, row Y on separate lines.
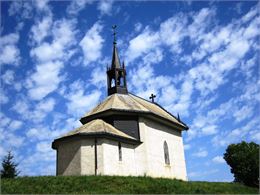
column 129, row 102
column 95, row 127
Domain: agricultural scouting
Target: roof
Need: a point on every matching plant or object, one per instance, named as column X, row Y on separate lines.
column 132, row 103
column 115, row 59
column 97, row 126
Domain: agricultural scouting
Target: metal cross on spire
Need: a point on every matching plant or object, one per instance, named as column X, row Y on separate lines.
column 114, row 33
column 152, row 97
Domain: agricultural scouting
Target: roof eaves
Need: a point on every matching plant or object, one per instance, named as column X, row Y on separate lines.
column 102, row 113
column 97, row 135
column 184, row 125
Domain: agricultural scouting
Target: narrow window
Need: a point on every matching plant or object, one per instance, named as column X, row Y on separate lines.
column 120, row 151
column 122, row 83
column 166, row 153
column 113, row 84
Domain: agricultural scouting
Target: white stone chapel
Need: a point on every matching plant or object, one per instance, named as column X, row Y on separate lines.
column 124, row 135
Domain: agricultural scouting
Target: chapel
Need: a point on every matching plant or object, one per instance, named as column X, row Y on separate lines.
column 124, row 135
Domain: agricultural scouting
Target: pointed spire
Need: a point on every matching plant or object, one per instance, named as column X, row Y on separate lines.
column 115, row 59
column 116, row 74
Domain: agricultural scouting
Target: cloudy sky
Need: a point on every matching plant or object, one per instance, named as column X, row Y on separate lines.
column 199, row 58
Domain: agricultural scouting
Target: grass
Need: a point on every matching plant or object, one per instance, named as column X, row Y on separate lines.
column 116, row 185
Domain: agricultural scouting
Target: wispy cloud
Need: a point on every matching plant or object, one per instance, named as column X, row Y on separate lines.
column 9, row 51
column 92, row 44
column 218, row 159
column 105, row 7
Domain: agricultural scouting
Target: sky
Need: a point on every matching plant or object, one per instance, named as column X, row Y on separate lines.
column 201, row 59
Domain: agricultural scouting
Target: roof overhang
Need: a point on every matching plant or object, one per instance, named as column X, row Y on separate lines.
column 147, row 114
column 95, row 135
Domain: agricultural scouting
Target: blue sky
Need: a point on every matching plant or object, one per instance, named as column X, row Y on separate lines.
column 199, row 58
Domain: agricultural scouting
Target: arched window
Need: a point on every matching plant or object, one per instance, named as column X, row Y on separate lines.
column 166, row 153
column 122, row 82
column 113, row 84
column 120, row 151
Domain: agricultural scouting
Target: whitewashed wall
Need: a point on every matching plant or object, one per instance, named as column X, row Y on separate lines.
column 145, row 159
column 87, row 157
column 153, row 135
column 112, row 165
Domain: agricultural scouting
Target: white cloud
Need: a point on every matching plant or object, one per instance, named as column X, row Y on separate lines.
column 142, row 44
column 92, row 44
column 250, row 15
column 63, row 38
column 105, row 6
column 42, row 133
column 77, row 5
column 169, row 94
column 10, row 140
column 98, row 77
column 236, row 134
column 43, row 147
column 198, row 175
column 9, row 52
column 47, row 105
column 200, row 153
column 21, row 8
column 243, row 113
column 201, row 21
column 255, row 135
column 2, row 152
column 38, row 133
column 50, row 57
column 42, row 4
column 33, row 112
column 4, row 120
column 138, row 26
column 3, row 97
column 41, row 29
column 218, row 159
column 21, row 107
column 45, row 80
column 79, row 101
column 143, row 82
column 209, row 130
column 8, row 77
column 15, row 124
column 172, row 31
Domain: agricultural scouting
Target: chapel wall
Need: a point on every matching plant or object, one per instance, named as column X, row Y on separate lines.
column 68, row 158
column 87, row 157
column 112, row 165
column 153, row 134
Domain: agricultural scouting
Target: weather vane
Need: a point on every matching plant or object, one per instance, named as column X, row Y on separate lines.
column 114, row 33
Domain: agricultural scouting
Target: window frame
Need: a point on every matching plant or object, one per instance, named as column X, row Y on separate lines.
column 119, row 151
column 166, row 153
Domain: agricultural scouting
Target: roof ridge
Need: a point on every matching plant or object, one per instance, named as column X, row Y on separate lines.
column 157, row 104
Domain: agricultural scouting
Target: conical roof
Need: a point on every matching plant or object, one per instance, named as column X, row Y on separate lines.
column 95, row 127
column 115, row 59
column 132, row 103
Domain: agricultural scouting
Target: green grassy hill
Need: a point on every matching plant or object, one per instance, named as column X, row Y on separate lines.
column 117, row 185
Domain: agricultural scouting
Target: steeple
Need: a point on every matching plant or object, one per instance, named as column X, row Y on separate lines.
column 116, row 74
column 115, row 59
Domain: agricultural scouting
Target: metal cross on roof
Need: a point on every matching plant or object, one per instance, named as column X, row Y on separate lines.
column 114, row 33
column 152, row 97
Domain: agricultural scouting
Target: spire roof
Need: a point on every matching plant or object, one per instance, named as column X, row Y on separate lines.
column 132, row 103
column 115, row 58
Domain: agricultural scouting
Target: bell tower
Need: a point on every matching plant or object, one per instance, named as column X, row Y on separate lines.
column 116, row 73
